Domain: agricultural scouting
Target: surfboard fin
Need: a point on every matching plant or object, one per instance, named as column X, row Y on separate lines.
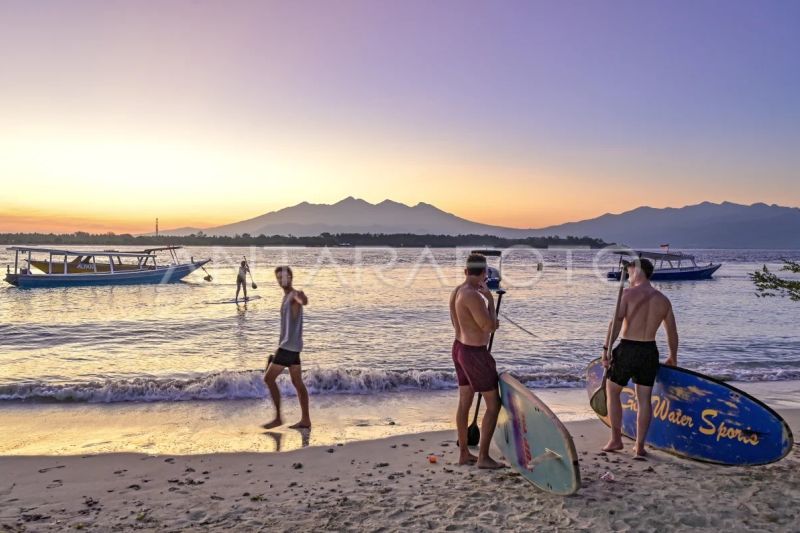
column 548, row 455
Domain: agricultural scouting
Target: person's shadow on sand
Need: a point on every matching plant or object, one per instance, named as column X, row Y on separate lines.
column 277, row 437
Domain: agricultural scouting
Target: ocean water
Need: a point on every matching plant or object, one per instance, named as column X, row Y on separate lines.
column 377, row 322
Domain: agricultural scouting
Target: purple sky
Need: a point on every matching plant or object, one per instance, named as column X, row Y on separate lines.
column 570, row 109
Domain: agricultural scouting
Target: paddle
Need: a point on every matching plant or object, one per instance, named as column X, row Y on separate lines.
column 598, row 400
column 252, row 281
column 473, row 431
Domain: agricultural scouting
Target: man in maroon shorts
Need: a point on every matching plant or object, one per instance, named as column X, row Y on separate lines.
column 473, row 315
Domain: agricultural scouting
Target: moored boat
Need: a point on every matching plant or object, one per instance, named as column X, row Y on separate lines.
column 66, row 268
column 669, row 266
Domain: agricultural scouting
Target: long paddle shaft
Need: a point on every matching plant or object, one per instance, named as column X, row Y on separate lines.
column 500, row 294
column 598, row 399
column 252, row 281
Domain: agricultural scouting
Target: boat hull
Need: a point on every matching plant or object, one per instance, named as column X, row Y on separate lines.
column 170, row 274
column 677, row 274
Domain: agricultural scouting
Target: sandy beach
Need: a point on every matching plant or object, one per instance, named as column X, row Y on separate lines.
column 391, row 485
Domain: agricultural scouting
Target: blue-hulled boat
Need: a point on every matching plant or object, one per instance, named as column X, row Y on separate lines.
column 70, row 268
column 669, row 266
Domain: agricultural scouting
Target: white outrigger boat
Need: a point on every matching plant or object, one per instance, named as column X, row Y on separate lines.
column 67, row 268
column 669, row 266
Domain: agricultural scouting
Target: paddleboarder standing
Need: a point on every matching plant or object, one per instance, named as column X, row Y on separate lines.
column 241, row 280
column 472, row 313
column 289, row 347
column 642, row 310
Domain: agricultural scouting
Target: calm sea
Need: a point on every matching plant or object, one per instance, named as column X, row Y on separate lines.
column 377, row 322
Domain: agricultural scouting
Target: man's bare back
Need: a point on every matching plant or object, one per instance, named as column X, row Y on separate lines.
column 469, row 315
column 644, row 309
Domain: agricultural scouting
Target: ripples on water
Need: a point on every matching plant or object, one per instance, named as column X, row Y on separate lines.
column 377, row 321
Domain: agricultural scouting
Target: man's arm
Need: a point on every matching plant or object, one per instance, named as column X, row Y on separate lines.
column 300, row 297
column 453, row 309
column 672, row 337
column 482, row 313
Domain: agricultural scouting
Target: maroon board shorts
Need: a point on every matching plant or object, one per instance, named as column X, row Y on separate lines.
column 475, row 367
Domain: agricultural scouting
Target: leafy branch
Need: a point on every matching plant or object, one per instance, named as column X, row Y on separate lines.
column 770, row 284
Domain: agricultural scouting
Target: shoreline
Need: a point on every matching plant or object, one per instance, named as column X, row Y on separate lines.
column 389, row 484
column 226, row 426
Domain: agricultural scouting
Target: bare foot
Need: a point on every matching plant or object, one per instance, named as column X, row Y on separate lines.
column 490, row 464
column 467, row 459
column 639, row 453
column 303, row 424
column 275, row 423
column 613, row 446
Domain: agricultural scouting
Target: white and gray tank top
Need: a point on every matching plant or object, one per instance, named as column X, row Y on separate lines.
column 291, row 326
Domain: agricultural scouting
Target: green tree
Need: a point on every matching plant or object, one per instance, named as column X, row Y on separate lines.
column 770, row 284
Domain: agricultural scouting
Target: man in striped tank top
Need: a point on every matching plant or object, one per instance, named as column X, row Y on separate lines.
column 289, row 347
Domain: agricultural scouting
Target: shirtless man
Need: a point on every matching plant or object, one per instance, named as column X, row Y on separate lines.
column 641, row 312
column 473, row 316
column 287, row 355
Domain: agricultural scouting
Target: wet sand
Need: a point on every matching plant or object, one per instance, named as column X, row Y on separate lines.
column 389, row 484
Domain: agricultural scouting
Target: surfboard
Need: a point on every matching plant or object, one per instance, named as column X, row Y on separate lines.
column 702, row 418
column 233, row 301
column 534, row 440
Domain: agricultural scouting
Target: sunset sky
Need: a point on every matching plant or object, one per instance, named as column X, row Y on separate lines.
column 519, row 113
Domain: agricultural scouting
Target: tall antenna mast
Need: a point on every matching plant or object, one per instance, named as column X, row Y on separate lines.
column 156, row 227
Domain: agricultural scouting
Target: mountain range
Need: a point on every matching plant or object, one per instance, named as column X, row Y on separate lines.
column 704, row 225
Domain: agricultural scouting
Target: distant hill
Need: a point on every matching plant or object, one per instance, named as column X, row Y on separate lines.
column 353, row 215
column 705, row 225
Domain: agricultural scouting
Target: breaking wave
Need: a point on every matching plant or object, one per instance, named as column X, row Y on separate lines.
column 248, row 384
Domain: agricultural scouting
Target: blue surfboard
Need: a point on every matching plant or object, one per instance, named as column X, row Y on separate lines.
column 701, row 418
column 535, row 441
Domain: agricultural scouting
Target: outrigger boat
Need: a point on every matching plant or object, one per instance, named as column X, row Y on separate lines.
column 67, row 268
column 668, row 266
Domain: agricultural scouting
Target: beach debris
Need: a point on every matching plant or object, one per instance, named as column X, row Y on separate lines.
column 433, row 459
column 330, row 450
column 381, row 465
column 608, row 476
column 45, row 470
column 297, row 466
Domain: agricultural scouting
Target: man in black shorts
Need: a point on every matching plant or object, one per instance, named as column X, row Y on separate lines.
column 287, row 355
column 641, row 312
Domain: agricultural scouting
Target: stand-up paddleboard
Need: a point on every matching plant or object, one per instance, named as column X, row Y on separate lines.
column 233, row 300
column 704, row 419
column 535, row 441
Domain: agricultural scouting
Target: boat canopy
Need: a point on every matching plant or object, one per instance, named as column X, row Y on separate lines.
column 59, row 251
column 489, row 253
column 658, row 256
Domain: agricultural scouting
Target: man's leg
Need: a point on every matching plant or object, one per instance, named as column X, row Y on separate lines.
column 465, row 395
column 492, row 401
column 645, row 414
column 273, row 371
column 614, row 415
column 296, row 373
column 238, row 287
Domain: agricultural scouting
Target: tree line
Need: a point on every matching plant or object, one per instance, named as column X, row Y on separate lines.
column 396, row 240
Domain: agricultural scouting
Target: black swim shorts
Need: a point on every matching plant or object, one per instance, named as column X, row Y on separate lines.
column 284, row 357
column 637, row 360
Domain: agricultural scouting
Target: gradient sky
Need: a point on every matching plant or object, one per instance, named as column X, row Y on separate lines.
column 519, row 113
